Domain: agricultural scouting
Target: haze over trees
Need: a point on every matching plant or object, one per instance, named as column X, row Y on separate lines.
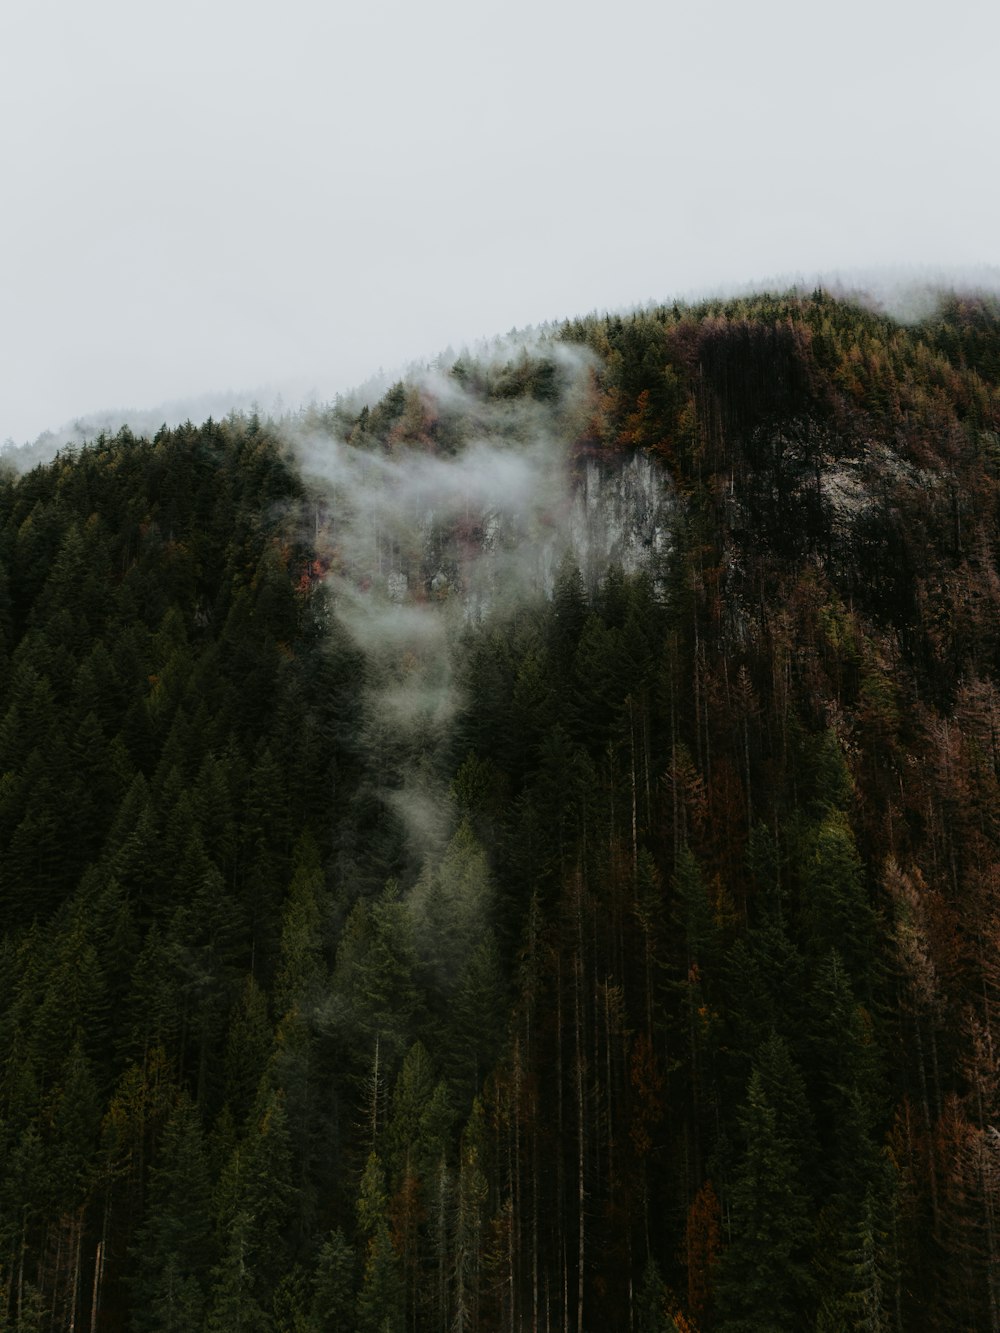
column 620, row 955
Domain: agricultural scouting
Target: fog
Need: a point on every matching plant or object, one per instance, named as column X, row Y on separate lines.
column 421, row 547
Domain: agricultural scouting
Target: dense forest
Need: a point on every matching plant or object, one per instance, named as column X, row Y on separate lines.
column 672, row 1007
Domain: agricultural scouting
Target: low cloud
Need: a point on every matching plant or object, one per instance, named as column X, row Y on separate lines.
column 422, row 540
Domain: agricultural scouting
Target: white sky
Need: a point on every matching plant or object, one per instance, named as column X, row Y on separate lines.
column 201, row 196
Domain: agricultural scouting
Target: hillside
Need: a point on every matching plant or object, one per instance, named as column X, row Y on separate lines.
column 521, row 855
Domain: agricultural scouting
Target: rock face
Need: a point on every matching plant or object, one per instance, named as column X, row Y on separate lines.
column 620, row 512
column 622, row 515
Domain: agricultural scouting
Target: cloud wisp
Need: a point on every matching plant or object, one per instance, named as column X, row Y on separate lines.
column 467, row 522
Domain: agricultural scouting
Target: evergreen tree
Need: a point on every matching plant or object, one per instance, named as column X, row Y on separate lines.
column 333, row 1303
column 764, row 1281
column 173, row 1245
column 380, row 1307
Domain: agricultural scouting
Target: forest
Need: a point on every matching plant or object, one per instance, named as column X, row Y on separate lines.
column 614, row 951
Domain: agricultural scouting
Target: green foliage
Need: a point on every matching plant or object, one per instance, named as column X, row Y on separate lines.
column 333, row 1301
column 380, row 1306
column 301, row 973
column 693, row 910
column 375, row 976
column 419, row 1120
column 451, row 903
column 174, row 1244
column 765, row 1281
column 651, row 1305
column 835, row 904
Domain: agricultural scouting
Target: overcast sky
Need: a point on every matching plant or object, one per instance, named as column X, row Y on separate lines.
column 205, row 196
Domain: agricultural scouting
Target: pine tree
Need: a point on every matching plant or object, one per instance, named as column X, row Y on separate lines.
column 173, row 1245
column 764, row 1281
column 835, row 902
column 471, row 1193
column 381, row 1300
column 334, row 1301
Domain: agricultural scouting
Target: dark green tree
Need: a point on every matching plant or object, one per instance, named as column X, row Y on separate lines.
column 764, row 1280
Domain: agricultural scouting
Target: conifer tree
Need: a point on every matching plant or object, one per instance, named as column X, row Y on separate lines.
column 173, row 1249
column 764, row 1280
column 333, row 1301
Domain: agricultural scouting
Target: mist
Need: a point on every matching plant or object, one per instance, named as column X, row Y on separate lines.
column 423, row 544
column 462, row 517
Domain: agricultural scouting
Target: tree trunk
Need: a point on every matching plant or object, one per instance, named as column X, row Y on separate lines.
column 931, row 1153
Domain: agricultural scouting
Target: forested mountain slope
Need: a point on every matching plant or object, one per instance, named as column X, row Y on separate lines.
column 524, row 855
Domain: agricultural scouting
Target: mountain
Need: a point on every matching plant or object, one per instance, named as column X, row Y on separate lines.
column 522, row 854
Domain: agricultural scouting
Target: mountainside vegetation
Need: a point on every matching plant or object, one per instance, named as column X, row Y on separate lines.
column 679, row 1016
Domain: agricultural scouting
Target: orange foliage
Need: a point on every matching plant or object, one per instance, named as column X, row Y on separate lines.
column 405, row 1215
column 648, row 1084
column 682, row 1322
column 702, row 1240
column 310, row 576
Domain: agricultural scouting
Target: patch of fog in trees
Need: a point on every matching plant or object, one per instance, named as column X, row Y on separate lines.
column 428, row 538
